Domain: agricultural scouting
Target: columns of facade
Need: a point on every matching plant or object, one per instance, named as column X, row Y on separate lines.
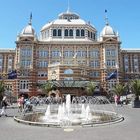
column 87, row 49
column 62, row 54
column 103, row 67
column 49, row 54
column 75, row 53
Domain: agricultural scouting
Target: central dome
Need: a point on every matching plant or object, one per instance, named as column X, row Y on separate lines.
column 66, row 18
column 69, row 27
column 68, row 15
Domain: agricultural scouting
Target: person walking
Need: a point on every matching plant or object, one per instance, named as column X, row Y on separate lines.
column 116, row 100
column 4, row 105
column 20, row 104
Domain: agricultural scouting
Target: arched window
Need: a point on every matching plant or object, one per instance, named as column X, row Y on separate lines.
column 54, row 32
column 66, row 32
column 70, row 32
column 59, row 32
column 91, row 35
column 68, row 71
column 77, row 32
column 82, row 32
column 88, row 33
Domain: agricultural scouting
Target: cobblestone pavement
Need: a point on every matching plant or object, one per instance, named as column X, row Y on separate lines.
column 129, row 129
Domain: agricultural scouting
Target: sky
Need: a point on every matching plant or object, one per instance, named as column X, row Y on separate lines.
column 123, row 16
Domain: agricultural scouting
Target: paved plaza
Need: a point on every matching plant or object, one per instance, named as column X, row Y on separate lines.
column 129, row 129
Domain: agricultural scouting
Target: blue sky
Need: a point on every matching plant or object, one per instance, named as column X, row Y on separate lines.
column 123, row 16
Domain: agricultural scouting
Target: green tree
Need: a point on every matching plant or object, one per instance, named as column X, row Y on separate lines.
column 2, row 89
column 135, row 86
column 119, row 89
column 90, row 88
column 47, row 87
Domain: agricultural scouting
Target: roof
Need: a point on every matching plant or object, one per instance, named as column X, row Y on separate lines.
column 107, row 31
column 64, row 22
column 28, row 31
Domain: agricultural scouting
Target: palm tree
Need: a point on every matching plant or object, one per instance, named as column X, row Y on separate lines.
column 2, row 89
column 135, row 85
column 119, row 89
column 90, row 88
column 47, row 87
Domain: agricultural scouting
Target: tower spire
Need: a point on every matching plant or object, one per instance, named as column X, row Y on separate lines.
column 68, row 8
column 106, row 18
column 30, row 21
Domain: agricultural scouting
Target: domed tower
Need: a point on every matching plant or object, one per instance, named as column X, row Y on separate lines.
column 110, row 54
column 26, row 45
column 68, row 27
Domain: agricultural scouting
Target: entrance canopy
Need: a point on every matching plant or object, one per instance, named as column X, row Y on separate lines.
column 69, row 83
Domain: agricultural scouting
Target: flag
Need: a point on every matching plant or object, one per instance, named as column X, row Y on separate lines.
column 113, row 75
column 75, row 55
column 12, row 74
column 105, row 11
column 31, row 16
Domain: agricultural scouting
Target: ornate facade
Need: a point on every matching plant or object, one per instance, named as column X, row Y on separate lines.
column 68, row 49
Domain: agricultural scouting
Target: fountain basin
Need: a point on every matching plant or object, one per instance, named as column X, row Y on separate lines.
column 96, row 119
column 82, row 111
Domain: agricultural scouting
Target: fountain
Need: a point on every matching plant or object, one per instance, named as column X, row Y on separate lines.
column 81, row 111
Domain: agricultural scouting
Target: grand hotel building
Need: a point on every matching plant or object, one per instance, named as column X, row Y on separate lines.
column 68, row 48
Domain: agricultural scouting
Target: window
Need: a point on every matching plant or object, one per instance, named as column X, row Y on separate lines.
column 95, row 63
column 126, row 69
column 26, row 52
column 68, row 53
column 82, row 32
column 94, row 74
column 70, row 32
column 113, row 63
column 77, row 32
column 54, row 32
column 55, row 53
column 108, row 63
column 42, row 74
column 59, row 32
column 66, row 32
column 94, row 53
column 24, row 84
column 68, row 71
column 113, row 52
column 88, row 33
column 43, row 64
column 108, row 52
column 43, row 53
column 26, row 63
column 91, row 35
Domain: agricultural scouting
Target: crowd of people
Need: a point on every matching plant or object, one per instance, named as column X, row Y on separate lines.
column 23, row 105
column 26, row 104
